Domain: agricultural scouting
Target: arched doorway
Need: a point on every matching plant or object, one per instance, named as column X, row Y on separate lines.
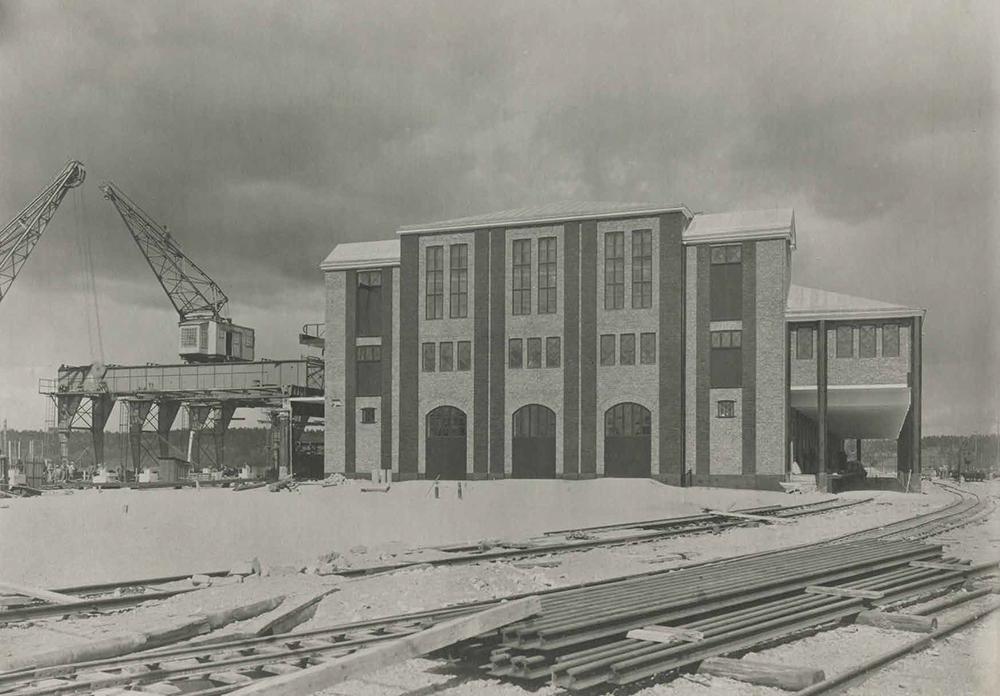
column 445, row 447
column 627, row 438
column 533, row 454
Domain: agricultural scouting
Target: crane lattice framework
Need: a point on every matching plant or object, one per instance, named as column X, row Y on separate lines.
column 22, row 233
column 192, row 292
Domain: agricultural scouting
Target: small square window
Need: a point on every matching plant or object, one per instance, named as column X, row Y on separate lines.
column 368, row 415
column 890, row 341
column 553, row 351
column 515, row 353
column 845, row 341
column 534, row 352
column 429, row 357
column 726, row 409
column 866, row 342
column 804, row 343
column 464, row 356
column 647, row 349
column 607, row 349
column 447, row 357
column 627, row 349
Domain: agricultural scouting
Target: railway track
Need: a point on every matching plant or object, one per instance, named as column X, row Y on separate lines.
column 221, row 668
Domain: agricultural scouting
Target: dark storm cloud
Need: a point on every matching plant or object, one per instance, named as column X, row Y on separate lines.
column 264, row 133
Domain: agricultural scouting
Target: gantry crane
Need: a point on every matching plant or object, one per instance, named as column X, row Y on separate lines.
column 22, row 233
column 205, row 334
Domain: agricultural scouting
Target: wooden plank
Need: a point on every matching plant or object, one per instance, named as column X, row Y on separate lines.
column 744, row 516
column 934, row 565
column 844, row 592
column 665, row 634
column 788, row 677
column 313, row 679
column 230, row 678
column 37, row 593
column 898, row 622
column 280, row 668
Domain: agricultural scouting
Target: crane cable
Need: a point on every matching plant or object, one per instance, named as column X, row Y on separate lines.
column 89, row 282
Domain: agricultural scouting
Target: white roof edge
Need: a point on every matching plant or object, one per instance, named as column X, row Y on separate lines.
column 814, row 315
column 743, row 235
column 357, row 263
column 540, row 222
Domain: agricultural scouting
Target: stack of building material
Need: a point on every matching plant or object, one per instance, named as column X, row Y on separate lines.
column 623, row 631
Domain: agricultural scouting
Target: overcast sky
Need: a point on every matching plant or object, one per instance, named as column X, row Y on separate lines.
column 264, row 133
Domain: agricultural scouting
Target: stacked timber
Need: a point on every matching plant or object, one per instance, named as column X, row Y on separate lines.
column 620, row 632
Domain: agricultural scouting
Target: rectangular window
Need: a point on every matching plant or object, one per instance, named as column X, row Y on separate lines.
column 890, row 340
column 515, row 346
column 458, row 282
column 464, row 356
column 447, row 357
column 627, row 349
column 428, row 355
column 614, row 270
column 726, row 363
column 608, row 349
column 553, row 351
column 726, row 282
column 368, row 415
column 547, row 275
column 845, row 341
column 368, row 304
column 647, row 349
column 189, row 336
column 534, row 352
column 521, row 277
column 866, row 342
column 726, row 409
column 804, row 343
column 369, row 370
column 642, row 269
column 435, row 282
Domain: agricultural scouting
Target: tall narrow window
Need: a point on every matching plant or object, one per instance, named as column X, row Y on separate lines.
column 428, row 357
column 464, row 356
column 521, row 278
column 515, row 358
column 890, row 341
column 627, row 345
column 866, row 342
column 434, row 280
column 726, row 360
column 804, row 343
column 369, row 370
column 459, row 281
column 547, row 275
column 534, row 352
column 553, row 351
column 614, row 270
column 608, row 349
column 368, row 304
column 447, row 356
column 845, row 341
column 726, row 283
column 642, row 269
column 647, row 349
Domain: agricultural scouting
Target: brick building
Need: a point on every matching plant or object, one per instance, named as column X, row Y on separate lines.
column 583, row 340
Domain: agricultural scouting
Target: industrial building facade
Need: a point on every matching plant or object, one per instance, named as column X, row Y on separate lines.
column 586, row 340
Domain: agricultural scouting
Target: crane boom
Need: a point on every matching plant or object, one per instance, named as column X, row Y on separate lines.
column 22, row 233
column 192, row 292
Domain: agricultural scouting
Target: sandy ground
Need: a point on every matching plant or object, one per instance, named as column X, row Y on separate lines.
column 184, row 531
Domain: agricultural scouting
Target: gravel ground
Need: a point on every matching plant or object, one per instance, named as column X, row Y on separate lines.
column 425, row 588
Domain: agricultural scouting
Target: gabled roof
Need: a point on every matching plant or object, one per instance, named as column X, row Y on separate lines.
column 811, row 304
column 742, row 226
column 362, row 255
column 546, row 214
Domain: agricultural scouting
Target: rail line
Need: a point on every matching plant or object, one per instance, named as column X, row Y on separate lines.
column 220, row 668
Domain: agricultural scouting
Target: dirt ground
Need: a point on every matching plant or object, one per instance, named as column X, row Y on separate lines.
column 187, row 531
